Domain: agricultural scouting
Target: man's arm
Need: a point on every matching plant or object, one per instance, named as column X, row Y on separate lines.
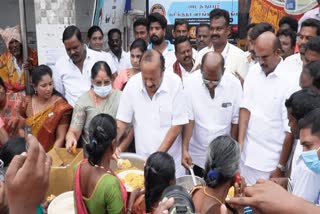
column 186, row 136
column 234, row 131
column 284, row 156
column 244, row 117
column 121, row 127
column 170, row 137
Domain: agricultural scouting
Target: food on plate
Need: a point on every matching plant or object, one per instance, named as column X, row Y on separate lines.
column 124, row 164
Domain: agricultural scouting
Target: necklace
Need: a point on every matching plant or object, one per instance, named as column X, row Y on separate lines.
column 102, row 167
column 211, row 196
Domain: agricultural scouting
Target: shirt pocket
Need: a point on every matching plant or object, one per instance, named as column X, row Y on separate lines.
column 224, row 113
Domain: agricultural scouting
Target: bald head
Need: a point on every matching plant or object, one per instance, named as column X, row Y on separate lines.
column 268, row 39
column 267, row 48
column 212, row 68
column 152, row 56
column 212, row 59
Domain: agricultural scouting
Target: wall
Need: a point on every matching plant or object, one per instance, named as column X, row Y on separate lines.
column 9, row 16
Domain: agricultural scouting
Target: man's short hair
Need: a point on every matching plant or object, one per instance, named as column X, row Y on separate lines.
column 178, row 22
column 150, row 54
column 157, row 17
column 202, row 25
column 112, row 31
column 140, row 21
column 70, row 31
column 314, row 71
column 259, row 29
column 251, row 25
column 314, row 44
column 302, row 102
column 311, row 120
column 311, row 23
column 290, row 33
column 291, row 21
column 217, row 13
column 179, row 40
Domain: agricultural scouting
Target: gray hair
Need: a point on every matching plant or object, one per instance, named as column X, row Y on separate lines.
column 222, row 162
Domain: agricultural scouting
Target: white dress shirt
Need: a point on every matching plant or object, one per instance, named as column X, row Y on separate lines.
column 70, row 81
column 212, row 117
column 124, row 62
column 264, row 97
column 152, row 118
column 305, row 183
column 168, row 54
column 294, row 66
column 235, row 59
column 185, row 73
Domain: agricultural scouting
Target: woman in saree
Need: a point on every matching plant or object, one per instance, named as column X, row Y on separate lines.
column 159, row 173
column 11, row 62
column 137, row 48
column 100, row 99
column 11, row 105
column 97, row 188
column 221, row 168
column 47, row 113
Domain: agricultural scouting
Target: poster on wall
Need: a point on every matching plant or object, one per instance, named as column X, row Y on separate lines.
column 194, row 11
column 273, row 10
column 109, row 14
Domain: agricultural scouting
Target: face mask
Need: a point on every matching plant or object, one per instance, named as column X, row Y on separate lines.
column 102, row 91
column 312, row 161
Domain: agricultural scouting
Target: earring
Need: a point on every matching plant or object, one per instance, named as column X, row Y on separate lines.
column 35, row 92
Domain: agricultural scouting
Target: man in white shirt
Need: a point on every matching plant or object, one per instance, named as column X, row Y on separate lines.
column 72, row 72
column 263, row 127
column 181, row 28
column 308, row 169
column 121, row 59
column 213, row 99
column 310, row 28
column 184, row 66
column 153, row 101
column 235, row 59
column 157, row 25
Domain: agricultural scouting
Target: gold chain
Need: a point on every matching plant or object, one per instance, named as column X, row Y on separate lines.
column 211, row 196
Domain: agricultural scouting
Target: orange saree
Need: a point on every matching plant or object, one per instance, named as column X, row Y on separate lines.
column 9, row 74
column 45, row 123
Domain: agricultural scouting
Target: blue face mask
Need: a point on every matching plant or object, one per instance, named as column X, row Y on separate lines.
column 311, row 160
column 102, row 91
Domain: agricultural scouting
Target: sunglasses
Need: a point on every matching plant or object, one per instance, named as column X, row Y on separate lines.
column 210, row 83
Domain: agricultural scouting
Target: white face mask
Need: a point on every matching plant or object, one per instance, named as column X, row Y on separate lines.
column 102, row 91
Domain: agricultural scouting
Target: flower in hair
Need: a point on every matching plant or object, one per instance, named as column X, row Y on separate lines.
column 213, row 174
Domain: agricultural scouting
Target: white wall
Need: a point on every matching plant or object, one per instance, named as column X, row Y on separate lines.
column 138, row 4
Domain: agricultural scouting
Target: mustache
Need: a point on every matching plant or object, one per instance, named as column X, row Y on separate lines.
column 186, row 58
column 215, row 36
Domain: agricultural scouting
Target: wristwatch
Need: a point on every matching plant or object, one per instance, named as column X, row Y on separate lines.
column 281, row 167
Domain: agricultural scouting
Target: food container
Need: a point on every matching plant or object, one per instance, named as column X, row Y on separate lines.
column 137, row 161
column 187, row 182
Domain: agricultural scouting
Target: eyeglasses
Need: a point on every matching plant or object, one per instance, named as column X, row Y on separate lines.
column 211, row 84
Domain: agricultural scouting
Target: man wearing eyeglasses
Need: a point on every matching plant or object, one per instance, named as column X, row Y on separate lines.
column 264, row 135
column 213, row 109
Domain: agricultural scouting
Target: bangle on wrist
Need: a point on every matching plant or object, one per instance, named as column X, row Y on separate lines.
column 281, row 167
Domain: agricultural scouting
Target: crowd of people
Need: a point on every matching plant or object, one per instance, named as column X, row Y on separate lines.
column 210, row 106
